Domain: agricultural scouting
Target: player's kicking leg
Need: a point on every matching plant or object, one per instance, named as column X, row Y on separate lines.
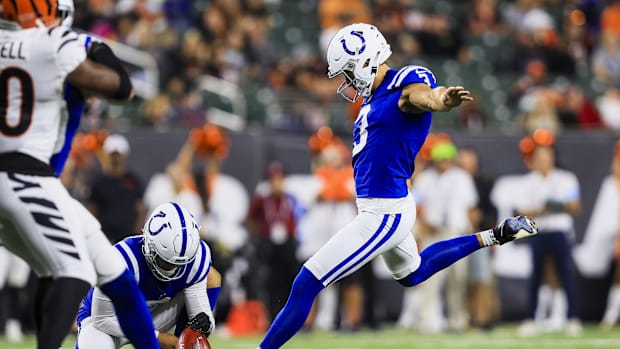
column 434, row 258
column 444, row 253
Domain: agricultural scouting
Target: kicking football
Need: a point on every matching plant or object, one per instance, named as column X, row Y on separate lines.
column 192, row 339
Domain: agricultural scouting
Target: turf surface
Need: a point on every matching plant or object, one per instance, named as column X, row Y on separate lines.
column 503, row 337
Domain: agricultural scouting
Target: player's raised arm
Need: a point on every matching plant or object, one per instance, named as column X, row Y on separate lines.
column 102, row 72
column 419, row 98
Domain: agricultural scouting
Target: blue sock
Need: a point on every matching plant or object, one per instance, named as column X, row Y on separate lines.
column 213, row 293
column 295, row 312
column 131, row 310
column 441, row 255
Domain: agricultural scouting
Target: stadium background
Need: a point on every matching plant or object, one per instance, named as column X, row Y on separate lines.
column 255, row 68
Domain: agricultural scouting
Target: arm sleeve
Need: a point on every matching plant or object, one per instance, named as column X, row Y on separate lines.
column 103, row 315
column 197, row 301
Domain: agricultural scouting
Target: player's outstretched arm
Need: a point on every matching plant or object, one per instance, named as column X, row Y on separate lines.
column 419, row 98
column 102, row 73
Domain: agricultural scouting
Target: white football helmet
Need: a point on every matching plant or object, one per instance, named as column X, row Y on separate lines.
column 357, row 51
column 171, row 235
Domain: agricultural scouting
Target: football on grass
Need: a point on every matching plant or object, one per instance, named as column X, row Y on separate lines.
column 191, row 339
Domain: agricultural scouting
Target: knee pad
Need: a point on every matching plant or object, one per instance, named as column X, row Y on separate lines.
column 108, row 262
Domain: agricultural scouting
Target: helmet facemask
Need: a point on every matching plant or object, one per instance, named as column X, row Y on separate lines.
column 362, row 87
column 153, row 260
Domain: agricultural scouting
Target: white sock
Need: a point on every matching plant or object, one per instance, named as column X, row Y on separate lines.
column 488, row 238
column 545, row 297
column 612, row 312
column 559, row 309
column 411, row 300
column 326, row 309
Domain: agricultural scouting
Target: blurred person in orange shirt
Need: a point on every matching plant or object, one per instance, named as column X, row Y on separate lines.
column 610, row 18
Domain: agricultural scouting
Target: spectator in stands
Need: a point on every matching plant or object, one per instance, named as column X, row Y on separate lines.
column 472, row 117
column 116, row 195
column 435, row 34
column 606, row 58
column 484, row 18
column 273, row 222
column 535, row 76
column 575, row 110
column 552, row 197
column 543, row 114
column 579, row 39
column 610, row 18
column 538, row 38
column 609, row 105
column 335, row 14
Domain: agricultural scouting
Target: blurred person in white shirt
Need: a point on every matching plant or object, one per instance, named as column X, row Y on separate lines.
column 601, row 243
column 483, row 302
column 552, row 197
column 448, row 195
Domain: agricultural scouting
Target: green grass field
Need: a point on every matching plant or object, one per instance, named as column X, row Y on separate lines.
column 503, row 337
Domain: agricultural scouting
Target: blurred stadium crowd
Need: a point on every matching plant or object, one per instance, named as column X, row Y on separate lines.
column 531, row 63
column 538, row 66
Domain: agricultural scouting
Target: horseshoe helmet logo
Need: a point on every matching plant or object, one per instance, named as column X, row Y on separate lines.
column 161, row 214
column 361, row 49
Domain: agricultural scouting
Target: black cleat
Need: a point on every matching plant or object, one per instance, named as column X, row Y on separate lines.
column 514, row 228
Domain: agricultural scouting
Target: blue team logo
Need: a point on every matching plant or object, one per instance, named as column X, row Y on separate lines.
column 346, row 49
column 150, row 225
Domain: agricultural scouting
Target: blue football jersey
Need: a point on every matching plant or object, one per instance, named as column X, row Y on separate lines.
column 387, row 140
column 152, row 288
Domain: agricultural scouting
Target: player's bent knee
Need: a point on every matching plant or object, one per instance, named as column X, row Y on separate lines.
column 214, row 278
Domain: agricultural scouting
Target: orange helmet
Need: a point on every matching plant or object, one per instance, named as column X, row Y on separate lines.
column 26, row 12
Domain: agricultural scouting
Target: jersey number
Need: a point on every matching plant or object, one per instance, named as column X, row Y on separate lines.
column 424, row 74
column 359, row 144
column 27, row 101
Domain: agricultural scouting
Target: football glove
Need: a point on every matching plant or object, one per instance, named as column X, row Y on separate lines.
column 202, row 323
